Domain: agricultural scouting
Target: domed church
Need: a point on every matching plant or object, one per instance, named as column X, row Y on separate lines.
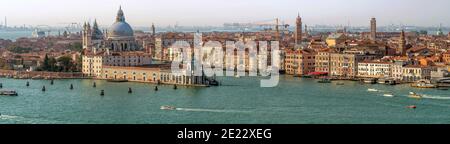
column 116, row 55
column 115, row 47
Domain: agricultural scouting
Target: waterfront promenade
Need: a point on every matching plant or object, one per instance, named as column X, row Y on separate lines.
column 41, row 75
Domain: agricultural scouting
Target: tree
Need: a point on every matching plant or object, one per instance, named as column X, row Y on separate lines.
column 65, row 63
column 46, row 65
column 52, row 64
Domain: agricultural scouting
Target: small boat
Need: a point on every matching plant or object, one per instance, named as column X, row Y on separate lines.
column 414, row 95
column 237, row 76
column 388, row 95
column 412, row 107
column 168, row 108
column 381, row 81
column 423, row 85
column 324, row 81
column 372, row 90
column 391, row 82
column 8, row 93
column 370, row 81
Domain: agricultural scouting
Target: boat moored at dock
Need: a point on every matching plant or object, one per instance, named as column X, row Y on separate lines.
column 8, row 93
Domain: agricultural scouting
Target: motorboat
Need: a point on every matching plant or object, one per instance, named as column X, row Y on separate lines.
column 340, row 83
column 382, row 81
column 372, row 90
column 168, row 108
column 423, row 85
column 392, row 82
column 412, row 107
column 388, row 95
column 8, row 93
column 414, row 95
column 370, row 81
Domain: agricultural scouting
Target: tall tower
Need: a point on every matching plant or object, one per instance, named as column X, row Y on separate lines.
column 153, row 30
column 87, row 35
column 439, row 32
column 306, row 31
column 298, row 30
column 277, row 30
column 6, row 23
column 373, row 29
column 402, row 43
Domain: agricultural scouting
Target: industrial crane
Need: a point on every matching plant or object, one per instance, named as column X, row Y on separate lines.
column 266, row 25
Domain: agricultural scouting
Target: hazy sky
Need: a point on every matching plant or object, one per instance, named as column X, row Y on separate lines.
column 216, row 12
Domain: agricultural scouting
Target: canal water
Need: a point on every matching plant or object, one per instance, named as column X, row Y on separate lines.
column 239, row 100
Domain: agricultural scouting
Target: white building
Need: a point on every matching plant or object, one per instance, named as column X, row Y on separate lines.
column 413, row 73
column 373, row 69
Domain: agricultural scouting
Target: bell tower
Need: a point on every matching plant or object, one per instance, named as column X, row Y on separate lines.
column 298, row 30
column 87, row 35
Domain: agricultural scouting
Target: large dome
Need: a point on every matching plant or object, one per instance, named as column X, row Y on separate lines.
column 120, row 29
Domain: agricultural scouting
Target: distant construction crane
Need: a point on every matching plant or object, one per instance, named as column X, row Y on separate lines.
column 44, row 28
column 73, row 26
column 266, row 25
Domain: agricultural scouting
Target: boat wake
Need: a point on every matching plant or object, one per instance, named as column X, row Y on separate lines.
column 24, row 120
column 436, row 97
column 8, row 117
column 210, row 110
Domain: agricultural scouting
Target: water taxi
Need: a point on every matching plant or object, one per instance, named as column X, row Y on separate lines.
column 168, row 108
column 340, row 83
column 414, row 95
column 388, row 95
column 423, row 85
column 370, row 81
column 372, row 90
column 8, row 93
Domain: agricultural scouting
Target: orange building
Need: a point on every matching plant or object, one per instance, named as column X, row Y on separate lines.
column 446, row 57
column 299, row 62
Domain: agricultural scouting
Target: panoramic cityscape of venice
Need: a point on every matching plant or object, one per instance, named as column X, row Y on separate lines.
column 120, row 62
